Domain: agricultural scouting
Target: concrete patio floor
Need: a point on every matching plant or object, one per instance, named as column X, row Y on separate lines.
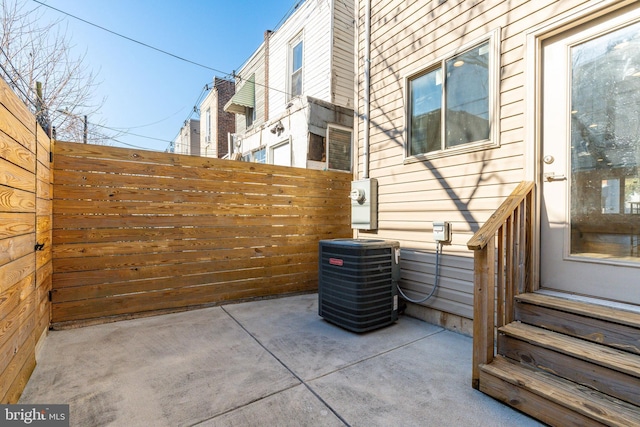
column 265, row 363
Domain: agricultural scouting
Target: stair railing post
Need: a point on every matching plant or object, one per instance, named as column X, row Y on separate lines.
column 483, row 309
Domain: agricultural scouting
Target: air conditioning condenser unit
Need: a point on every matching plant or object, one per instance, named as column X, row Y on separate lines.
column 357, row 287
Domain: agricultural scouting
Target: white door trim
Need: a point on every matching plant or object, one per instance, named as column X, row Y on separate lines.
column 533, row 90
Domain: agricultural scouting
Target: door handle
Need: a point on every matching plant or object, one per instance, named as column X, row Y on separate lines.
column 551, row 176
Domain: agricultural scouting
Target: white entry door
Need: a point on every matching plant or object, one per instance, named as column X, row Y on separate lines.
column 590, row 208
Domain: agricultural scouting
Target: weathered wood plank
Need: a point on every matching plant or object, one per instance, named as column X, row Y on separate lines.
column 20, row 369
column 182, row 297
column 162, row 246
column 14, row 271
column 14, row 176
column 15, row 153
column 80, row 194
column 15, row 295
column 483, row 308
column 77, row 293
column 12, row 200
column 16, row 329
column 616, row 335
column 604, row 356
column 108, row 221
column 585, row 372
column 74, row 179
column 581, row 401
column 249, row 255
column 550, row 413
column 17, row 247
column 490, row 227
column 596, row 311
column 149, row 234
column 96, row 207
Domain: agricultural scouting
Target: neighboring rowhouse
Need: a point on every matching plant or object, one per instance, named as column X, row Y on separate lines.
column 188, row 139
column 216, row 124
column 294, row 96
column 467, row 100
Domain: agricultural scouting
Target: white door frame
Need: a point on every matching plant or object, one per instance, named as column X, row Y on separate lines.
column 533, row 96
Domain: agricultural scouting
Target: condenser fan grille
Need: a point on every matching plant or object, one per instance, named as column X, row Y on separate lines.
column 357, row 283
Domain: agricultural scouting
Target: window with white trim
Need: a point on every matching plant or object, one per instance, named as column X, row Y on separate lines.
column 295, row 66
column 450, row 104
column 207, row 126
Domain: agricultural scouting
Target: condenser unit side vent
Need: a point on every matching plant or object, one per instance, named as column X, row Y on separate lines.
column 357, row 287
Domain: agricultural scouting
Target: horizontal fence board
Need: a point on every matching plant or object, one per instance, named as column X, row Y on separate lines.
column 108, row 235
column 14, row 176
column 246, row 254
column 14, row 271
column 15, row 295
column 183, row 297
column 77, row 293
column 135, row 231
column 14, row 200
column 118, row 221
column 12, row 121
column 17, row 247
column 100, row 194
column 97, row 207
column 306, row 188
column 17, row 224
column 79, row 250
column 15, row 153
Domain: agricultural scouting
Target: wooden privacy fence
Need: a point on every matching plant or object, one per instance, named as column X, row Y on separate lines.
column 25, row 221
column 138, row 231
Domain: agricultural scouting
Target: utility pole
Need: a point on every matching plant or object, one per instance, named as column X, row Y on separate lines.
column 84, row 134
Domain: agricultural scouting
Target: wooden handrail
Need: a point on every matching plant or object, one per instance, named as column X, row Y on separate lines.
column 497, row 219
column 503, row 268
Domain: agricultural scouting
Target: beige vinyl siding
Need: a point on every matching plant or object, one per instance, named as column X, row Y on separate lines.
column 465, row 189
column 313, row 20
column 342, row 56
column 255, row 65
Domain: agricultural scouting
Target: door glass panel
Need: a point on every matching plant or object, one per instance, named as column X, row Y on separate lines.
column 605, row 146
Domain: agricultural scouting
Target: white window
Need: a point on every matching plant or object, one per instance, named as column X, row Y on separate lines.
column 281, row 154
column 250, row 116
column 207, row 126
column 339, row 149
column 295, row 66
column 451, row 103
column 259, row 155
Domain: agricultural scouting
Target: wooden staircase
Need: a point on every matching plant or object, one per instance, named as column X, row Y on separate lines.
column 568, row 363
column 564, row 360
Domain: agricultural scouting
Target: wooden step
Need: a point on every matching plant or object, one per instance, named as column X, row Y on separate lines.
column 611, row 326
column 553, row 400
column 606, row 369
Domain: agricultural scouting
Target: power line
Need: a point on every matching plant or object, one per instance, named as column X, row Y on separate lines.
column 131, row 39
column 19, row 76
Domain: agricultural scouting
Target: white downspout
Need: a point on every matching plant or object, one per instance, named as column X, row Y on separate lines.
column 367, row 86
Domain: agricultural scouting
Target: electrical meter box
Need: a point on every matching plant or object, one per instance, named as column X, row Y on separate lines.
column 364, row 204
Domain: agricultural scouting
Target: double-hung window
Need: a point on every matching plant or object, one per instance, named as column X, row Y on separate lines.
column 295, row 66
column 451, row 103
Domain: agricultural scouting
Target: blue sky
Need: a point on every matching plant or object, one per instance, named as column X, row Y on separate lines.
column 150, row 93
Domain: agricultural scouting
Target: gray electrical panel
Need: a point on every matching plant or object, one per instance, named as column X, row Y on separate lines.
column 364, row 204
